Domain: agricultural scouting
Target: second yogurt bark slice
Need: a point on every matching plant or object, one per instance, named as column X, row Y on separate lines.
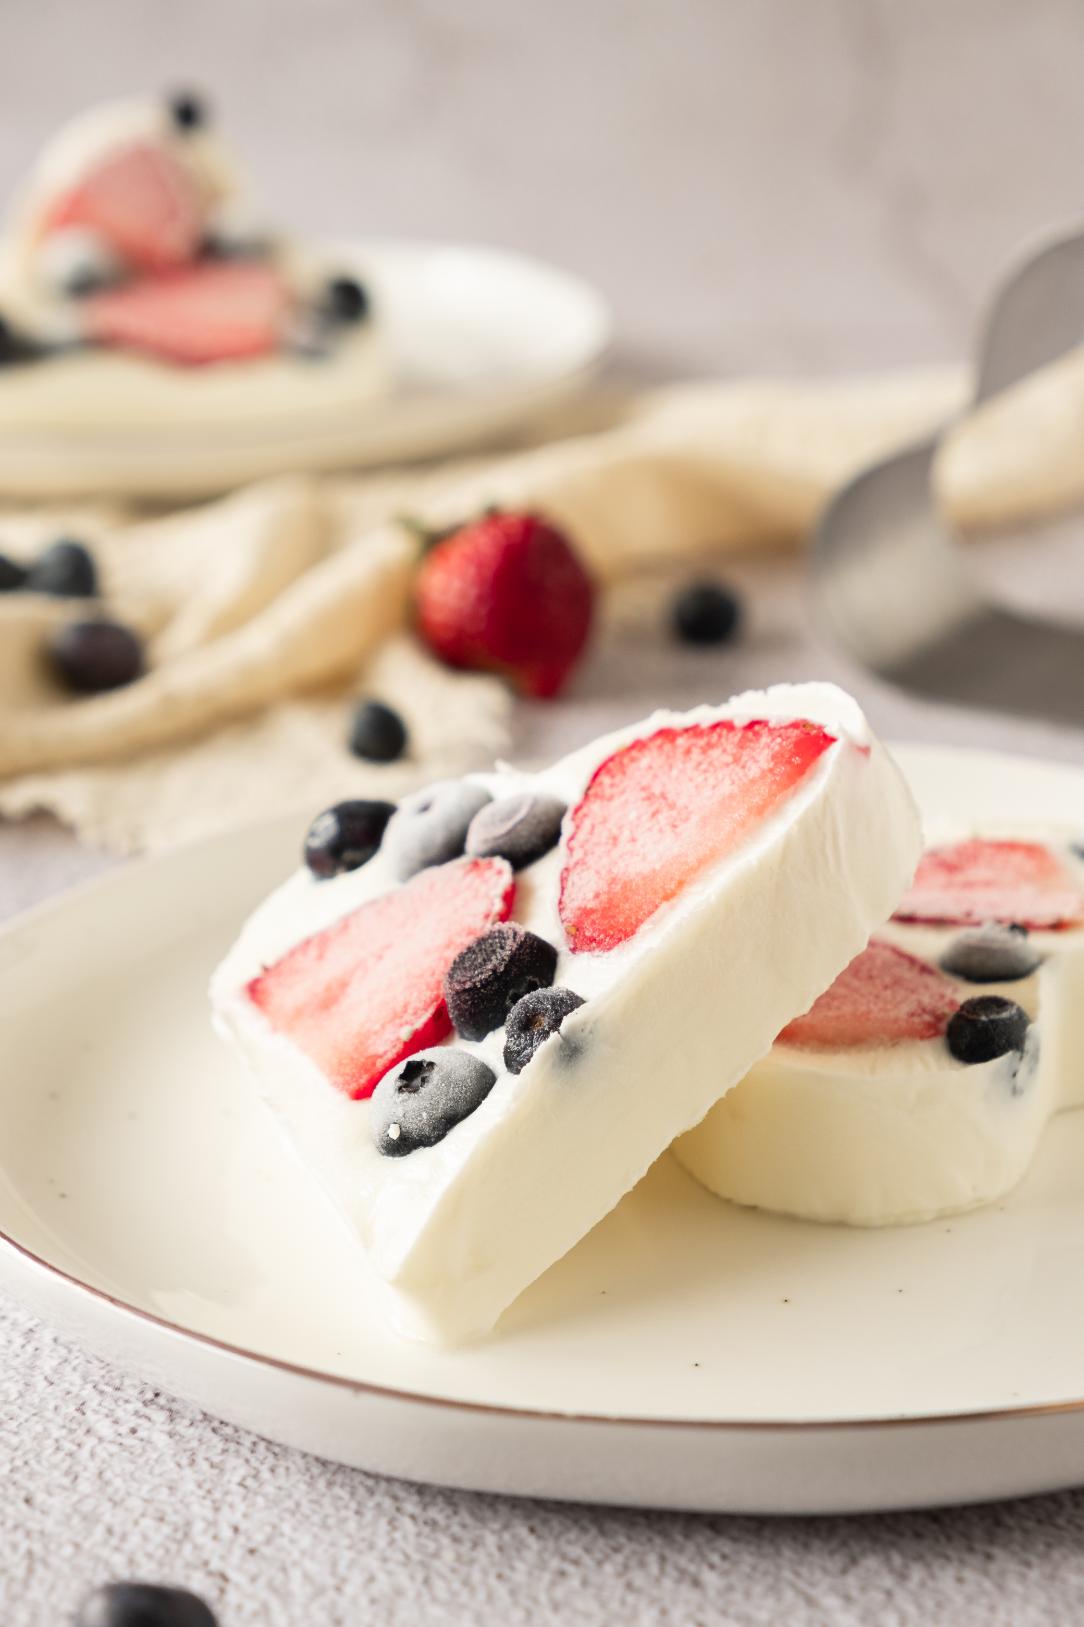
column 715, row 871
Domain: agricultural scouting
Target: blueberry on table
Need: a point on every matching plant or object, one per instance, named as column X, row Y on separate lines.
column 188, row 110
column 377, row 733
column 706, row 613
column 66, row 570
column 418, row 1102
column 346, row 836
column 93, row 656
column 532, row 1021
column 431, row 826
column 492, row 974
column 520, row 829
column 991, row 954
column 986, row 1027
column 16, row 346
column 142, row 1604
column 12, row 575
column 346, row 300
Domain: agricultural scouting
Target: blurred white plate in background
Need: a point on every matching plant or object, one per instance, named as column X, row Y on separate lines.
column 481, row 341
column 687, row 1354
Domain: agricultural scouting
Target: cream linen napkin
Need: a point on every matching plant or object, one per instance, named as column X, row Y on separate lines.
column 264, row 611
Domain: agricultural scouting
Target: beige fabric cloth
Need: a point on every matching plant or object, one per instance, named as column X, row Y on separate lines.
column 265, row 611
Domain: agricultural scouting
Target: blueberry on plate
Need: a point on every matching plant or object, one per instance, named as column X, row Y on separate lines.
column 12, row 575
column 532, row 1021
column 66, row 570
column 77, row 260
column 431, row 826
column 986, row 1027
column 93, row 656
column 377, row 733
column 705, row 613
column 143, row 1604
column 519, row 828
column 16, row 346
column 188, row 110
column 991, row 954
column 492, row 974
column 418, row 1102
column 346, row 836
column 345, row 299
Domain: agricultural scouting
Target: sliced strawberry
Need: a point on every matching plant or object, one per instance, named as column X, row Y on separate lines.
column 221, row 311
column 967, row 883
column 365, row 993
column 143, row 201
column 883, row 997
column 660, row 812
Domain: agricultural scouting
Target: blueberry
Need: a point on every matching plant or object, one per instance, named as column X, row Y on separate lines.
column 705, row 613
column 991, row 954
column 986, row 1027
column 77, row 260
column 492, row 974
column 142, row 1604
column 12, row 575
column 345, row 300
column 66, row 570
column 188, row 110
column 92, row 656
column 16, row 346
column 532, row 1021
column 346, row 836
column 431, row 826
column 417, row 1103
column 377, row 733
column 520, row 829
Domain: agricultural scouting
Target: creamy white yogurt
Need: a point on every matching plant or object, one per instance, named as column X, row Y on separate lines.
column 903, row 1133
column 674, row 1017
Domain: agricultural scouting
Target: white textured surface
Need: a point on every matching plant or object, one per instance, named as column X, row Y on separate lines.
column 824, row 186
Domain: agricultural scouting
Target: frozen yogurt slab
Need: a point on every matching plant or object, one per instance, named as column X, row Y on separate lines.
column 920, row 1083
column 714, row 871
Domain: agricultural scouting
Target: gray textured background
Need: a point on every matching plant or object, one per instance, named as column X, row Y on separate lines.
column 765, row 186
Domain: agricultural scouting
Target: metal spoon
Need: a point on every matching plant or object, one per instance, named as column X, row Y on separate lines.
column 893, row 582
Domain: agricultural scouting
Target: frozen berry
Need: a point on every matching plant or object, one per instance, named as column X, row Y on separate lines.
column 345, row 299
column 77, row 260
column 417, row 1103
column 493, row 974
column 532, row 1021
column 706, row 613
column 12, row 575
column 142, row 1604
column 66, row 570
column 187, row 110
column 431, row 826
column 968, row 883
column 986, row 1027
column 92, row 656
column 377, row 733
column 16, row 346
column 346, row 836
column 520, row 829
column 991, row 954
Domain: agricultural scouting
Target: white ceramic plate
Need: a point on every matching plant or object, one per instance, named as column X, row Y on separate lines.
column 686, row 1354
column 480, row 342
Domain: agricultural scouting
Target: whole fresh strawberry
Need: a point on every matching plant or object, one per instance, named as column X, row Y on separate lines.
column 507, row 593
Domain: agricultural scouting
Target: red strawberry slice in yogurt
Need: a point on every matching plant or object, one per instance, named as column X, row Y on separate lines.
column 207, row 313
column 884, row 997
column 660, row 812
column 366, row 992
column 142, row 200
column 968, row 883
